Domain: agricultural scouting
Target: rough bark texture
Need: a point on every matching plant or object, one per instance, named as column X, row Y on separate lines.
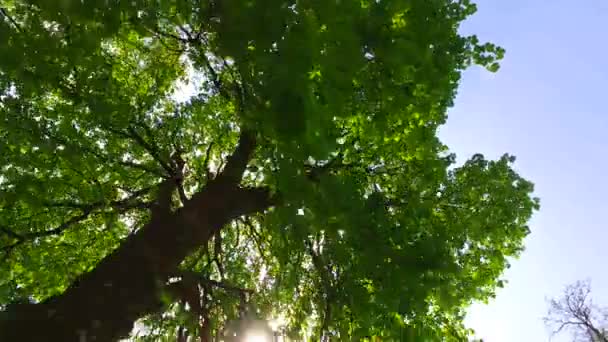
column 102, row 305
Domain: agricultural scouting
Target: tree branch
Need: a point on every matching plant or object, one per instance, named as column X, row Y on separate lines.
column 203, row 280
column 9, row 248
column 151, row 149
column 116, row 204
column 128, row 282
column 179, row 165
column 256, row 238
column 87, row 209
column 10, row 19
column 137, row 166
column 324, row 273
column 99, row 155
column 10, row 233
column 160, row 33
column 206, row 162
column 238, row 160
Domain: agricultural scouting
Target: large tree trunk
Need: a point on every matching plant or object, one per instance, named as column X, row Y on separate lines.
column 103, row 304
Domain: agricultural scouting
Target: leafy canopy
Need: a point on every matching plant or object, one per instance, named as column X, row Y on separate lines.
column 377, row 231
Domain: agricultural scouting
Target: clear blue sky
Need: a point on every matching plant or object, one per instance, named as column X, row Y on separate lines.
column 547, row 105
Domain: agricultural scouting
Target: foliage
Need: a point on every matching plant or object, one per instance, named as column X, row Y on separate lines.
column 377, row 232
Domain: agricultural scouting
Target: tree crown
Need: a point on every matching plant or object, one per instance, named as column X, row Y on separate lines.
column 371, row 228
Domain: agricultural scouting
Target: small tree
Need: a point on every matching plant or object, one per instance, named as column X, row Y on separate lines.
column 576, row 313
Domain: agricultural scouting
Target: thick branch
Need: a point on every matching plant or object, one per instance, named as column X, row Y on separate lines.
column 206, row 162
column 237, row 162
column 127, row 284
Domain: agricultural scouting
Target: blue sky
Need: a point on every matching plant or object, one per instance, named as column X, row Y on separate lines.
column 547, row 106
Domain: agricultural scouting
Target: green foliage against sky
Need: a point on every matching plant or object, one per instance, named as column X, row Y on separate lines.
column 373, row 231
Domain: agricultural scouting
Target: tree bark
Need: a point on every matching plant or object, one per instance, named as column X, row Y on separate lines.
column 103, row 304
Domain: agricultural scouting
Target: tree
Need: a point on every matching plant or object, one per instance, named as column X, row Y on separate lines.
column 303, row 176
column 575, row 312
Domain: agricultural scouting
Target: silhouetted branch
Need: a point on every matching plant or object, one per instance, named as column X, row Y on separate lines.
column 206, row 162
column 204, row 280
column 256, row 237
column 116, row 204
column 160, row 33
column 10, row 233
column 238, row 160
column 576, row 311
column 132, row 134
column 151, row 149
column 98, row 154
column 10, row 19
column 86, row 209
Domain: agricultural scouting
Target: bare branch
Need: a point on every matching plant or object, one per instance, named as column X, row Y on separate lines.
column 575, row 311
